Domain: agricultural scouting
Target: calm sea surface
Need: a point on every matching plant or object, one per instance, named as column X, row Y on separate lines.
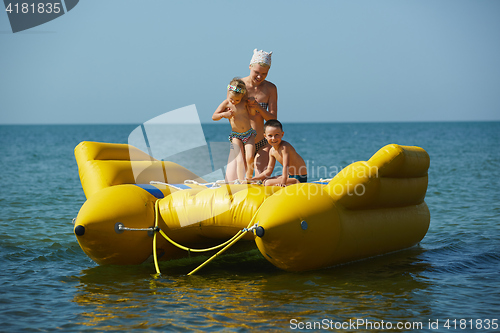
column 47, row 283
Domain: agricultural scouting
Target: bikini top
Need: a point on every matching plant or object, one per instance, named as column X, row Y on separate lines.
column 264, row 105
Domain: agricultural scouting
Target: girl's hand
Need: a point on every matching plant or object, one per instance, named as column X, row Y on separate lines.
column 252, row 102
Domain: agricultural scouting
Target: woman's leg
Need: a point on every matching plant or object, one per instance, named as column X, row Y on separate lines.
column 231, row 167
column 262, row 159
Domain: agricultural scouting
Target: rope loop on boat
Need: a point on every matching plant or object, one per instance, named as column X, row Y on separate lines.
column 212, row 185
column 157, row 230
column 121, row 227
column 250, row 227
column 243, row 232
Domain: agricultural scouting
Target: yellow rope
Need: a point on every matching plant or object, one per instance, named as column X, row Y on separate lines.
column 179, row 245
column 218, row 253
column 229, row 243
column 197, row 250
column 154, row 239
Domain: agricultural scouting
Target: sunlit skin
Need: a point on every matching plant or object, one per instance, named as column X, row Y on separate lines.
column 258, row 73
column 235, row 109
column 274, row 136
column 284, row 153
column 234, row 98
column 259, row 90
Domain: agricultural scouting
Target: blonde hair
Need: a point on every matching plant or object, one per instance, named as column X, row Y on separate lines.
column 237, row 86
column 263, row 64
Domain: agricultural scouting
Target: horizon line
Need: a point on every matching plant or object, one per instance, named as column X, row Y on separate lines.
column 284, row 122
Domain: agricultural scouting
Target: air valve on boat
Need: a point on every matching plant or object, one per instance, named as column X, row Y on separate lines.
column 79, row 230
column 259, row 231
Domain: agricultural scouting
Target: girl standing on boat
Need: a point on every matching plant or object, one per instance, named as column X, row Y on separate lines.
column 236, row 108
column 263, row 98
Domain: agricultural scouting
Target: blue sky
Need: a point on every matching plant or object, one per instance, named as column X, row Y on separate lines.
column 123, row 61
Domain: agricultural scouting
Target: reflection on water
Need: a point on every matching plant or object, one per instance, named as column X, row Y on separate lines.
column 245, row 291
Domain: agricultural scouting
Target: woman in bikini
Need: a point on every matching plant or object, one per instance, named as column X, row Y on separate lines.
column 263, row 98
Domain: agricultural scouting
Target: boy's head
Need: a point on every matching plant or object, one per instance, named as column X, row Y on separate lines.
column 273, row 131
column 236, row 90
column 273, row 123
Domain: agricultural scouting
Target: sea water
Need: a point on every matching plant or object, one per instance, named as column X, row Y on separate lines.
column 448, row 283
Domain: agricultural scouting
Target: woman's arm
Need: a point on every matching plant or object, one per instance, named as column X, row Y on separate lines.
column 272, row 104
column 251, row 110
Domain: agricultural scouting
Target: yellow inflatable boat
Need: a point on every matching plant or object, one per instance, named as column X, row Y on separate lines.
column 138, row 207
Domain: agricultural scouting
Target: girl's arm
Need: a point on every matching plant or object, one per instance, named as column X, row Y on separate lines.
column 221, row 112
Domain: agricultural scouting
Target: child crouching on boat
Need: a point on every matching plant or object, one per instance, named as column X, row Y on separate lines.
column 294, row 167
column 235, row 108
